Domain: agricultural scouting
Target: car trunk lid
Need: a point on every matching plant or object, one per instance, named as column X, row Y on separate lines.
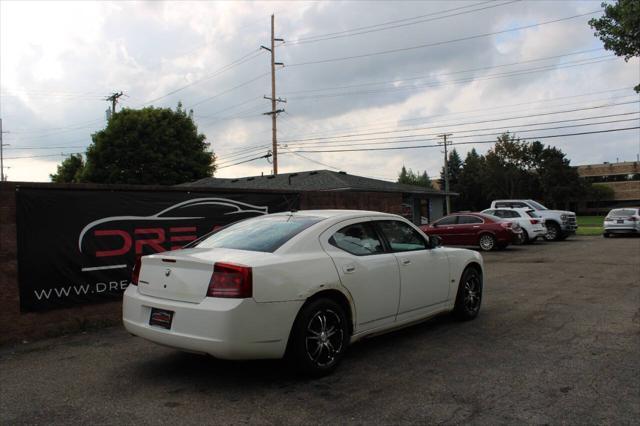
column 184, row 275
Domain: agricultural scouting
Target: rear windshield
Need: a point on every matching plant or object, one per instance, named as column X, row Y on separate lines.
column 264, row 234
column 622, row 212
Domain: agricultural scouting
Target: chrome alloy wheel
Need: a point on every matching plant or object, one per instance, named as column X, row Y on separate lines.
column 472, row 294
column 324, row 337
column 487, row 242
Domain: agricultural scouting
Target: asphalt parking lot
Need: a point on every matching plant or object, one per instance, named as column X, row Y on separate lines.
column 557, row 341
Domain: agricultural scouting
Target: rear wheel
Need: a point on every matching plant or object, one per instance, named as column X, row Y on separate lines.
column 525, row 237
column 487, row 242
column 469, row 295
column 319, row 337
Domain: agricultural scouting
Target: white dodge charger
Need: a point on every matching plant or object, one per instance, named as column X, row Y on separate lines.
column 299, row 284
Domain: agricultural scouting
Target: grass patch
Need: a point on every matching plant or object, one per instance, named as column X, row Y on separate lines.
column 590, row 220
column 589, row 225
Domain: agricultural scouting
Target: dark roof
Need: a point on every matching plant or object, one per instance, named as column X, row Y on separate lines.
column 317, row 180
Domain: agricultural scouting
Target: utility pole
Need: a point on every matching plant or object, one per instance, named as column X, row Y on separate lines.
column 446, row 170
column 2, row 178
column 114, row 100
column 274, row 112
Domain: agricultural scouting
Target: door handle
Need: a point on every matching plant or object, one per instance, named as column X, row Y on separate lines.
column 348, row 269
column 406, row 261
column 476, row 226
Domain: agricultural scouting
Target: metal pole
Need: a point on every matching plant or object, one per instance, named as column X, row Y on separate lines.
column 274, row 133
column 446, row 172
column 1, row 155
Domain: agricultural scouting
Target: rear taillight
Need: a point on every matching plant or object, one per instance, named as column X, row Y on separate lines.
column 229, row 280
column 534, row 221
column 135, row 273
column 633, row 218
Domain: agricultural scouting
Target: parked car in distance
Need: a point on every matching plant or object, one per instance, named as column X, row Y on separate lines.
column 532, row 225
column 559, row 223
column 299, row 284
column 474, row 229
column 622, row 221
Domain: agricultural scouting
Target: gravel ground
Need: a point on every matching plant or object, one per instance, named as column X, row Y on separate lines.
column 557, row 341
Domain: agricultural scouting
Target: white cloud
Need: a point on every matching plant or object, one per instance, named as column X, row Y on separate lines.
column 58, row 59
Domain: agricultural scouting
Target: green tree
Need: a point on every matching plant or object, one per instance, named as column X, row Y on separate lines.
column 409, row 177
column 150, row 146
column 473, row 195
column 619, row 29
column 454, row 164
column 70, row 170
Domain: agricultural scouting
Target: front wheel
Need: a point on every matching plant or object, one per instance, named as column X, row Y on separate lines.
column 319, row 337
column 553, row 232
column 487, row 242
column 469, row 295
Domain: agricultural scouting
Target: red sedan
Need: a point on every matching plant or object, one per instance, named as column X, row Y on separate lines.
column 474, row 229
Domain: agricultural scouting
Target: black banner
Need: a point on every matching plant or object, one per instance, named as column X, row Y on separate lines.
column 78, row 246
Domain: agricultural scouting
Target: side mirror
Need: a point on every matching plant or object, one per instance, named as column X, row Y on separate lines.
column 434, row 241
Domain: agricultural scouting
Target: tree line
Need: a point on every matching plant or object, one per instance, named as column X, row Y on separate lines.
column 512, row 168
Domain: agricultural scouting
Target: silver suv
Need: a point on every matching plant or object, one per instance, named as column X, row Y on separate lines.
column 560, row 224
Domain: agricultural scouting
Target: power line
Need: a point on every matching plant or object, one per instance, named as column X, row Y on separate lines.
column 440, row 43
column 246, row 161
column 416, row 20
column 514, row 73
column 460, row 124
column 245, row 58
column 580, row 52
column 471, row 143
column 502, row 130
column 245, row 83
column 455, row 113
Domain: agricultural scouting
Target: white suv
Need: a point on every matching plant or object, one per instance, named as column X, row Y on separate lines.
column 560, row 224
column 532, row 225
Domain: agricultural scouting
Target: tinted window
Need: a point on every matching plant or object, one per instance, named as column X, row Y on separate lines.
column 469, row 219
column 359, row 239
column 622, row 212
column 512, row 204
column 449, row 220
column 509, row 214
column 265, row 234
column 401, row 237
column 532, row 213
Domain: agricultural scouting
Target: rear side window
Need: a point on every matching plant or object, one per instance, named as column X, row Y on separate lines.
column 469, row 219
column 401, row 237
column 532, row 213
column 265, row 234
column 359, row 239
column 449, row 220
column 510, row 214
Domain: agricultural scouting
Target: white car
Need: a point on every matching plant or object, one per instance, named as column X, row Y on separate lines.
column 302, row 284
column 532, row 225
column 622, row 221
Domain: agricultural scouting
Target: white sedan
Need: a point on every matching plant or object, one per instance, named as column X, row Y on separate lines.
column 532, row 225
column 302, row 284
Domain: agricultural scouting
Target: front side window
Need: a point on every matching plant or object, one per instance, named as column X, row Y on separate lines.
column 264, row 234
column 536, row 205
column 401, row 236
column 359, row 239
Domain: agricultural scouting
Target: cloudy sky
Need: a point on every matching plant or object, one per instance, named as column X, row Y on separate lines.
column 358, row 76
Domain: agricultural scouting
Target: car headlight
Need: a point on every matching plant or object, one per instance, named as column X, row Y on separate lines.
column 564, row 217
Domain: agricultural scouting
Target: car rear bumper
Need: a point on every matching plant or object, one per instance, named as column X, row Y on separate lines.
column 621, row 230
column 224, row 328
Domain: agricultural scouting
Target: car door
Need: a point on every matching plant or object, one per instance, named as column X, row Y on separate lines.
column 445, row 229
column 469, row 229
column 369, row 272
column 424, row 272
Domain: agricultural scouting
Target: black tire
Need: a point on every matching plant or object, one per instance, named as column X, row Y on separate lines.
column 487, row 242
column 606, row 235
column 525, row 237
column 312, row 349
column 469, row 297
column 553, row 232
